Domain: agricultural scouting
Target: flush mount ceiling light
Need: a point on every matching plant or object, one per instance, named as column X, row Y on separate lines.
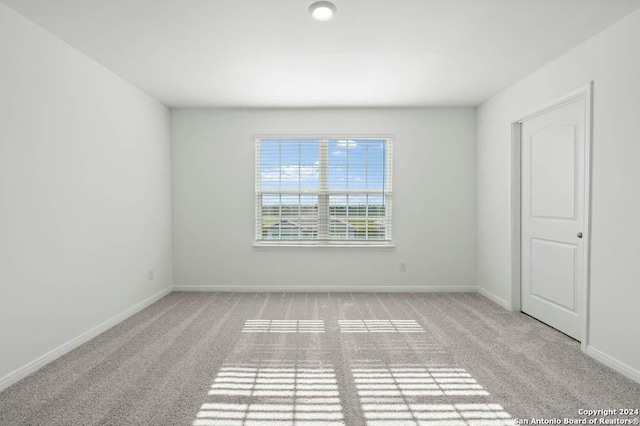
column 322, row 10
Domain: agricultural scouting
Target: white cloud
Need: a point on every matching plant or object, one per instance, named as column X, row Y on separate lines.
column 291, row 173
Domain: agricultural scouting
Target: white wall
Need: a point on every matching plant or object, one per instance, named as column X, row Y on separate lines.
column 434, row 201
column 84, row 195
column 612, row 61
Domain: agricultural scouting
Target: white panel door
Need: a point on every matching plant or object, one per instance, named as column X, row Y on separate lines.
column 552, row 216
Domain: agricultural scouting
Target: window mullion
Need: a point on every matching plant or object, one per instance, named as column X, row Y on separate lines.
column 323, row 195
column 366, row 185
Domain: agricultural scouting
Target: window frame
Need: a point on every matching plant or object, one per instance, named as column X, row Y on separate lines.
column 323, row 193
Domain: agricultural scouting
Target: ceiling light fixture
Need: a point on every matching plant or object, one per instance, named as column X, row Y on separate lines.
column 322, row 10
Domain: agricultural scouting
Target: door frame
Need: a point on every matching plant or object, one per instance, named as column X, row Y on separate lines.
column 585, row 92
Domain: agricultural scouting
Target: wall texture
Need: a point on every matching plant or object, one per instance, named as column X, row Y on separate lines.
column 85, row 205
column 611, row 60
column 434, row 202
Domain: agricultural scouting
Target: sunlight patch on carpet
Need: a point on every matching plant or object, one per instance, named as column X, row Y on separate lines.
column 405, row 394
column 380, row 326
column 378, row 379
column 283, row 326
column 273, row 393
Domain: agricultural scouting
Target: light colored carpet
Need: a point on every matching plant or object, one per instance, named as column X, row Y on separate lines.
column 355, row 359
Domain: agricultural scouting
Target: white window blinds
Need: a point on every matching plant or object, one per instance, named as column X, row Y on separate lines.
column 323, row 191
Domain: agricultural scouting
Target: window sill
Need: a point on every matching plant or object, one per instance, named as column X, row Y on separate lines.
column 289, row 246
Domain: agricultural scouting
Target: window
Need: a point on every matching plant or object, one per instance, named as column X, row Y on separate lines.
column 323, row 191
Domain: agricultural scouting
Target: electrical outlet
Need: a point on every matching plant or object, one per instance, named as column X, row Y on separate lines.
column 151, row 274
column 403, row 266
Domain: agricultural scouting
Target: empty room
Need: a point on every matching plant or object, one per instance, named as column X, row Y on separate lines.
column 319, row 213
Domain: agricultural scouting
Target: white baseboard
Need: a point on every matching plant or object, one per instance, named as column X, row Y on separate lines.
column 325, row 289
column 499, row 300
column 613, row 363
column 45, row 359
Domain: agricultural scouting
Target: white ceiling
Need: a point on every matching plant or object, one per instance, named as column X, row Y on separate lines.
column 270, row 53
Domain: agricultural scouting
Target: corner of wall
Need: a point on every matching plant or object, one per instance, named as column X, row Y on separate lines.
column 56, row 353
column 500, row 301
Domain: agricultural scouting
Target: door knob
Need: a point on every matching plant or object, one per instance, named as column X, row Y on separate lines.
column 579, row 234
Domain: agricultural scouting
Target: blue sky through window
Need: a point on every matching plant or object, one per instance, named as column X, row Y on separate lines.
column 352, row 164
column 290, row 164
